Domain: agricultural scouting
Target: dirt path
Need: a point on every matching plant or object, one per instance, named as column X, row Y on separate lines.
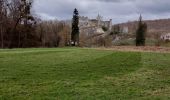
column 139, row 49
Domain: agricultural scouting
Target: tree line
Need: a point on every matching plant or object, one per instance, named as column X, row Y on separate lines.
column 16, row 23
column 20, row 28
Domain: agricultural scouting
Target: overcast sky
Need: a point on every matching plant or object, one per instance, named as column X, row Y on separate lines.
column 118, row 10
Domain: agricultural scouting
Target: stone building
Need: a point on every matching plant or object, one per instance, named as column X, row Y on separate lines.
column 125, row 29
column 165, row 37
column 94, row 26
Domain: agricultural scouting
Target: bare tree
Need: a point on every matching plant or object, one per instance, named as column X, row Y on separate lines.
column 3, row 19
column 19, row 28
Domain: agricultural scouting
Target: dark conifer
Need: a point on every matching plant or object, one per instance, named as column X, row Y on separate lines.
column 75, row 28
column 141, row 33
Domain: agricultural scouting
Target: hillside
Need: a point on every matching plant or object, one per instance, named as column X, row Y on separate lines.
column 154, row 26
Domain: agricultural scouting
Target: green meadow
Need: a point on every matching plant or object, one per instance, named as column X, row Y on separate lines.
column 83, row 74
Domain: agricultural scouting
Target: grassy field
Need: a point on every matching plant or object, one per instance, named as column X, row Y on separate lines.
column 83, row 74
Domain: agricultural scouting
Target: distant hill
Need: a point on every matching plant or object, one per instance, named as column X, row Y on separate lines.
column 154, row 26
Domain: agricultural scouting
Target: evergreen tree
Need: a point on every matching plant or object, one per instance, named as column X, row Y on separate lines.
column 75, row 28
column 141, row 32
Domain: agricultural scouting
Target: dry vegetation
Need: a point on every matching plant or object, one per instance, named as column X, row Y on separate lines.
column 139, row 49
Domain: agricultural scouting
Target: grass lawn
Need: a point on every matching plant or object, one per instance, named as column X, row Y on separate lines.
column 83, row 74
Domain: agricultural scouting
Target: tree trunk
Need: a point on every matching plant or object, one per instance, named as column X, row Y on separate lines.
column 19, row 40
column 2, row 39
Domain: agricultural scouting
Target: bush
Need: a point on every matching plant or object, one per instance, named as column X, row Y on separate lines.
column 129, row 41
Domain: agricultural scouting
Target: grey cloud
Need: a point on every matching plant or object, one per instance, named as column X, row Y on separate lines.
column 154, row 6
column 118, row 10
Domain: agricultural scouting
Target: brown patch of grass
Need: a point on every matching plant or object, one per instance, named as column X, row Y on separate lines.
column 138, row 49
